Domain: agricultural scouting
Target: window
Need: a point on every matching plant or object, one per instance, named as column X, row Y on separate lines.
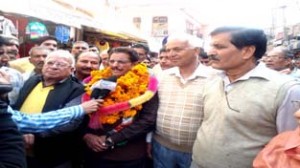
column 160, row 26
column 137, row 22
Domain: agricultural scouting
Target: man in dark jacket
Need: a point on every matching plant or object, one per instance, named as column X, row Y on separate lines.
column 12, row 152
column 54, row 89
column 122, row 143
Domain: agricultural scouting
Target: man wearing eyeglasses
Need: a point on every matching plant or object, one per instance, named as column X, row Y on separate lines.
column 280, row 59
column 246, row 105
column 53, row 89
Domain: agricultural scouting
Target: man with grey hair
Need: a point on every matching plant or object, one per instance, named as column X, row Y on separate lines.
column 280, row 59
column 180, row 103
column 53, row 89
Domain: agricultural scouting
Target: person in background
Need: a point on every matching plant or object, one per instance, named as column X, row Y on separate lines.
column 13, row 47
column 263, row 59
column 154, row 58
column 37, row 56
column 16, row 78
column 180, row 110
column 280, row 59
column 104, row 59
column 23, row 65
column 85, row 63
column 79, row 47
column 148, row 62
column 296, row 60
column 49, row 42
column 164, row 62
column 203, row 57
column 94, row 48
column 142, row 50
column 245, row 105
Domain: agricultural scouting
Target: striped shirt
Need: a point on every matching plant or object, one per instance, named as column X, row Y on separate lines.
column 34, row 123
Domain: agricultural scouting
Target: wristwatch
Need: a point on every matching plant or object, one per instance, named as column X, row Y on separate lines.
column 109, row 143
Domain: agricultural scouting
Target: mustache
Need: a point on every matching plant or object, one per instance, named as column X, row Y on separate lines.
column 41, row 63
column 115, row 68
column 85, row 68
column 213, row 57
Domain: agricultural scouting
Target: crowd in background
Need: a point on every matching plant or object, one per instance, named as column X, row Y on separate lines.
column 214, row 108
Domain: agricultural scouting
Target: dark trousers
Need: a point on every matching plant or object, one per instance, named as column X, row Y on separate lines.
column 102, row 163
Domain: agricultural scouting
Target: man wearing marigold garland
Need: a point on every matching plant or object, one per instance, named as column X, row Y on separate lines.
column 119, row 139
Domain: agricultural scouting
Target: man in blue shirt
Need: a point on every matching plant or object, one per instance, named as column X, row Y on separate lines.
column 35, row 123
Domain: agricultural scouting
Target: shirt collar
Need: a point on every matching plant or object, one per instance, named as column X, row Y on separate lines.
column 201, row 71
column 260, row 71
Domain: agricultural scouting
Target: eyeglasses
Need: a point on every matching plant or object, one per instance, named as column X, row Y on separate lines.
column 122, row 62
column 57, row 64
column 228, row 104
column 274, row 57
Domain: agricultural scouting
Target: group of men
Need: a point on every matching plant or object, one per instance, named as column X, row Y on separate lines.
column 201, row 117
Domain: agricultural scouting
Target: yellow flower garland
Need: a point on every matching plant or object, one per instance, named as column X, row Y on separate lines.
column 133, row 84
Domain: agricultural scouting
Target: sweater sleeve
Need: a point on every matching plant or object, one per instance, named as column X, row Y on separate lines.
column 34, row 123
column 12, row 152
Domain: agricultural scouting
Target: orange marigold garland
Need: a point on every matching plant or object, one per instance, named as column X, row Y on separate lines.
column 131, row 85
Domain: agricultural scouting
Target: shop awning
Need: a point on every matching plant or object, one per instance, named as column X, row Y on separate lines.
column 46, row 10
column 118, row 36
